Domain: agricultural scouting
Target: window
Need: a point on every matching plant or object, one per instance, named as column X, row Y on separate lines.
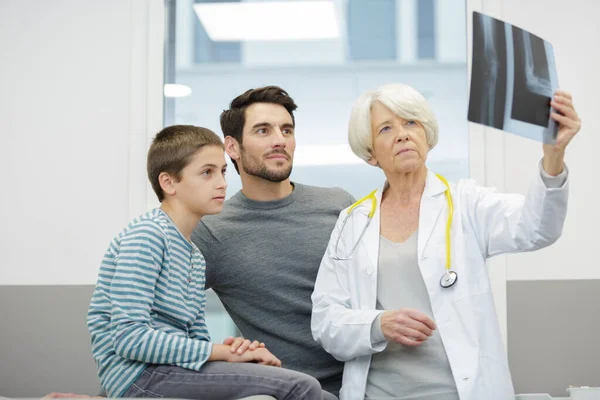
column 372, row 29
column 426, row 29
column 208, row 51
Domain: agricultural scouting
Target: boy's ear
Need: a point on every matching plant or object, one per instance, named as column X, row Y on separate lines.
column 167, row 183
column 232, row 148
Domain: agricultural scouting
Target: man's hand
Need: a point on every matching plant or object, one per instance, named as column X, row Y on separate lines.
column 406, row 326
column 240, row 345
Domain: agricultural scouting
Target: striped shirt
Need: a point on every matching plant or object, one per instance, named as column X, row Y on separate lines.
column 148, row 306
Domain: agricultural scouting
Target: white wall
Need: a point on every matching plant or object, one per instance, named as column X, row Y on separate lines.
column 572, row 29
column 499, row 159
column 75, row 108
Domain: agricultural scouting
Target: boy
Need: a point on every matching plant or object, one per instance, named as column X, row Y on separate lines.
column 146, row 317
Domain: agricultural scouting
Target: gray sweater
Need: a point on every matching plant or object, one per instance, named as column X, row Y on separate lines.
column 262, row 259
column 399, row 372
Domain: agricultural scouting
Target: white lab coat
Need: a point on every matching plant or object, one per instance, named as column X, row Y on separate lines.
column 485, row 223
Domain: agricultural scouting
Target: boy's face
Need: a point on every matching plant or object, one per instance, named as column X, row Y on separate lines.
column 268, row 144
column 202, row 185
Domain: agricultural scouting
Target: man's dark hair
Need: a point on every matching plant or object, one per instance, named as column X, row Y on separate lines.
column 233, row 119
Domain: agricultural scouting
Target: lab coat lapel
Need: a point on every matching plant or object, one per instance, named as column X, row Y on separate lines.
column 432, row 204
column 371, row 237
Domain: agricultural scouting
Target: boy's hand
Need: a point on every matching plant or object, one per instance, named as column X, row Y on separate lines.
column 260, row 356
column 240, row 344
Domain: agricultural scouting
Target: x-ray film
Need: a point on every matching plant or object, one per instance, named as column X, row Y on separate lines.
column 513, row 79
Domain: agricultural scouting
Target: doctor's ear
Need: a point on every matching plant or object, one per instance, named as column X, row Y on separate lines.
column 232, row 148
column 373, row 161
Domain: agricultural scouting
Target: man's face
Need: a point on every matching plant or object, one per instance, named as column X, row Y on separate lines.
column 268, row 142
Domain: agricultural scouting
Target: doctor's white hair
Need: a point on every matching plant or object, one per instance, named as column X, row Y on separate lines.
column 402, row 100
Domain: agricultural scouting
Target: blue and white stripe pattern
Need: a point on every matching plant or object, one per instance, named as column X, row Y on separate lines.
column 148, row 306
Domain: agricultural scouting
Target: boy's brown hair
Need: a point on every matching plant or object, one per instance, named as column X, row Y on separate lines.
column 172, row 150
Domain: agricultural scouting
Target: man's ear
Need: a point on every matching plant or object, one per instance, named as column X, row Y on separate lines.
column 232, row 148
column 167, row 183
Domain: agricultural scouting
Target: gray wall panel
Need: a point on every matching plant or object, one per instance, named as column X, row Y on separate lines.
column 45, row 344
column 44, row 341
column 553, row 330
column 553, row 334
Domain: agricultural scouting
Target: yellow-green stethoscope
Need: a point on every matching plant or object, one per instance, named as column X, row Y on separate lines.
column 449, row 278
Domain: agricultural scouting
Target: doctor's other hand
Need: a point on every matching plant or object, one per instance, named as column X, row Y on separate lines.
column 406, row 326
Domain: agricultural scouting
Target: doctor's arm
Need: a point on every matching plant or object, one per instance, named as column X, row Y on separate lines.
column 345, row 333
column 507, row 223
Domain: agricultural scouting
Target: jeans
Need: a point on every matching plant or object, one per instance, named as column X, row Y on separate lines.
column 222, row 380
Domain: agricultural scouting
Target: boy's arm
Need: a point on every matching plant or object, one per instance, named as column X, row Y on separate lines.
column 199, row 330
column 132, row 296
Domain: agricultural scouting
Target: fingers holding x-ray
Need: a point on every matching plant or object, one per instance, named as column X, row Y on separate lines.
column 567, row 118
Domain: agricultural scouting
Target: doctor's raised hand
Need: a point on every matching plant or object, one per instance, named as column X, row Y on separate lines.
column 403, row 294
column 569, row 125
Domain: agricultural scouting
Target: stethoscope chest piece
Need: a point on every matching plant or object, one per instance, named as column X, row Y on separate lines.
column 448, row 279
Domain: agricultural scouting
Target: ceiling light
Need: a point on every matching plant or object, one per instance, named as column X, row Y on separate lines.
column 267, row 21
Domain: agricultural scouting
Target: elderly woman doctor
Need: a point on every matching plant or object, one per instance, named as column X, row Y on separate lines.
column 402, row 294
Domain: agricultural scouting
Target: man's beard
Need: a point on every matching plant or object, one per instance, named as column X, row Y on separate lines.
column 256, row 167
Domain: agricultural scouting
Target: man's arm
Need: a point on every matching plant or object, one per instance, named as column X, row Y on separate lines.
column 209, row 246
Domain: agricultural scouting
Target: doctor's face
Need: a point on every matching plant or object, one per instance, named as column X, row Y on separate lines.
column 268, row 142
column 399, row 145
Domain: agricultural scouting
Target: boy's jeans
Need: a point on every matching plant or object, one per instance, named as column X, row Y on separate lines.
column 222, row 380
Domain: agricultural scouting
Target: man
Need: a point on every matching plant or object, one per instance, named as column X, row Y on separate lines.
column 264, row 250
